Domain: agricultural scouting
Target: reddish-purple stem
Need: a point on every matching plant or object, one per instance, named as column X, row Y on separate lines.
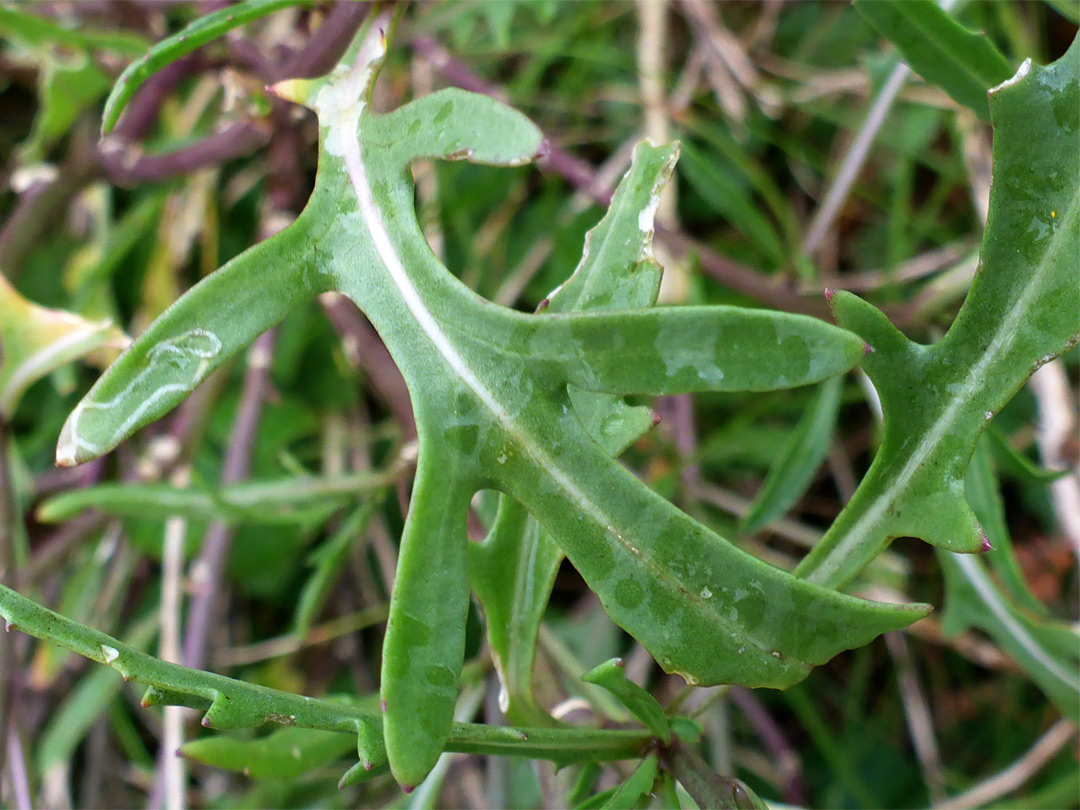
column 758, row 286
column 210, row 563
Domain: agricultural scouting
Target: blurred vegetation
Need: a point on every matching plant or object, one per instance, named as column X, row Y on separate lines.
column 766, row 99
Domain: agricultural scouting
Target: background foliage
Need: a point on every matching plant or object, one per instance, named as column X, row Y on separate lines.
column 243, row 503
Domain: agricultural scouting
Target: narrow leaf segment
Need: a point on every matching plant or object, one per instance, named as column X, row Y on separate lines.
column 965, row 64
column 203, row 30
column 611, row 675
column 1022, row 311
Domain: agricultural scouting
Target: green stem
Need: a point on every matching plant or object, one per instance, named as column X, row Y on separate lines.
column 230, row 703
column 562, row 745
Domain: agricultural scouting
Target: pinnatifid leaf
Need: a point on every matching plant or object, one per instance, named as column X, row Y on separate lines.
column 965, row 64
column 490, row 391
column 514, row 569
column 1023, row 310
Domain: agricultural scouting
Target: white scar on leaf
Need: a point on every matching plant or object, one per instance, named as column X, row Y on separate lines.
column 199, row 344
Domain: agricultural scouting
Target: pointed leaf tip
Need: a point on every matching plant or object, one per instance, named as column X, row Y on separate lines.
column 1020, row 311
column 298, row 91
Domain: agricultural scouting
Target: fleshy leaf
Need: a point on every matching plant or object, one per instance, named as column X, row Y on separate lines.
column 965, row 64
column 1022, row 311
column 489, row 391
column 35, row 341
column 192, row 338
column 512, row 573
column 233, row 704
column 514, row 569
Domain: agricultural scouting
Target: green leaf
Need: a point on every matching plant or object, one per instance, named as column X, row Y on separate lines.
column 194, row 36
column 1022, row 311
column 231, row 704
column 228, row 704
column 490, row 393
column 512, row 572
column 686, row 729
column 629, row 793
column 793, row 471
column 286, row 753
column 35, row 341
column 283, row 501
column 514, row 569
column 963, row 63
column 1047, row 650
column 983, row 492
column 360, row 773
column 330, row 561
column 175, row 355
column 611, row 675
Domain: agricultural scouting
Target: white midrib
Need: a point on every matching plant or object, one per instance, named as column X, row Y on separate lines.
column 972, row 384
column 369, row 212
column 977, row 578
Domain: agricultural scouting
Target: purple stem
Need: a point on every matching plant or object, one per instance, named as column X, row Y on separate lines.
column 126, row 167
column 758, row 286
column 365, row 349
column 326, row 45
column 210, row 563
